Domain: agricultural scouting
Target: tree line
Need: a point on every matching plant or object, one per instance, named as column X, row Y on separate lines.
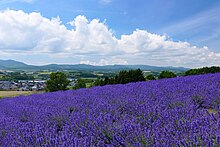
column 123, row 77
column 204, row 70
column 16, row 76
column 59, row 81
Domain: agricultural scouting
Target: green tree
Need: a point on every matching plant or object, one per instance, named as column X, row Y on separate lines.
column 166, row 74
column 57, row 81
column 150, row 77
column 112, row 80
column 106, row 81
column 80, row 84
column 204, row 70
column 130, row 76
column 137, row 76
column 97, row 82
column 122, row 77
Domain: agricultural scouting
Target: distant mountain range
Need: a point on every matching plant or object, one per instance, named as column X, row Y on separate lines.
column 15, row 65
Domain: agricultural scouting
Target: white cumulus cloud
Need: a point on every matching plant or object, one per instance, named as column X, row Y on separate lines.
column 105, row 2
column 112, row 61
column 92, row 42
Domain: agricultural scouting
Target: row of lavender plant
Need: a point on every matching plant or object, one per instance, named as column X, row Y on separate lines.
column 183, row 111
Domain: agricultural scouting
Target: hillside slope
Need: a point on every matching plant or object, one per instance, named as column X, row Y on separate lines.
column 169, row 112
column 12, row 64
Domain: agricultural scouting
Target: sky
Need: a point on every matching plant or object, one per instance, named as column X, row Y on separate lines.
column 181, row 33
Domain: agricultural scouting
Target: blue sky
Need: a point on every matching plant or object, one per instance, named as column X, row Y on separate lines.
column 173, row 32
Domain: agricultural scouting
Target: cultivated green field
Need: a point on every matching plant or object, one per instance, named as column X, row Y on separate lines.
column 14, row 93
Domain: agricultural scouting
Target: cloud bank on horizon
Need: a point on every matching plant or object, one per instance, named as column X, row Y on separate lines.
column 92, row 42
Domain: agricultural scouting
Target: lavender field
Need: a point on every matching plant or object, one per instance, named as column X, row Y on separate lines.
column 182, row 111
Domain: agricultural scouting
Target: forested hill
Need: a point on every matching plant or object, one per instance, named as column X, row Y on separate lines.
column 15, row 65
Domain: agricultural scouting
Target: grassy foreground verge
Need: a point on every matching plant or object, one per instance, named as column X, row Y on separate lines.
column 4, row 94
